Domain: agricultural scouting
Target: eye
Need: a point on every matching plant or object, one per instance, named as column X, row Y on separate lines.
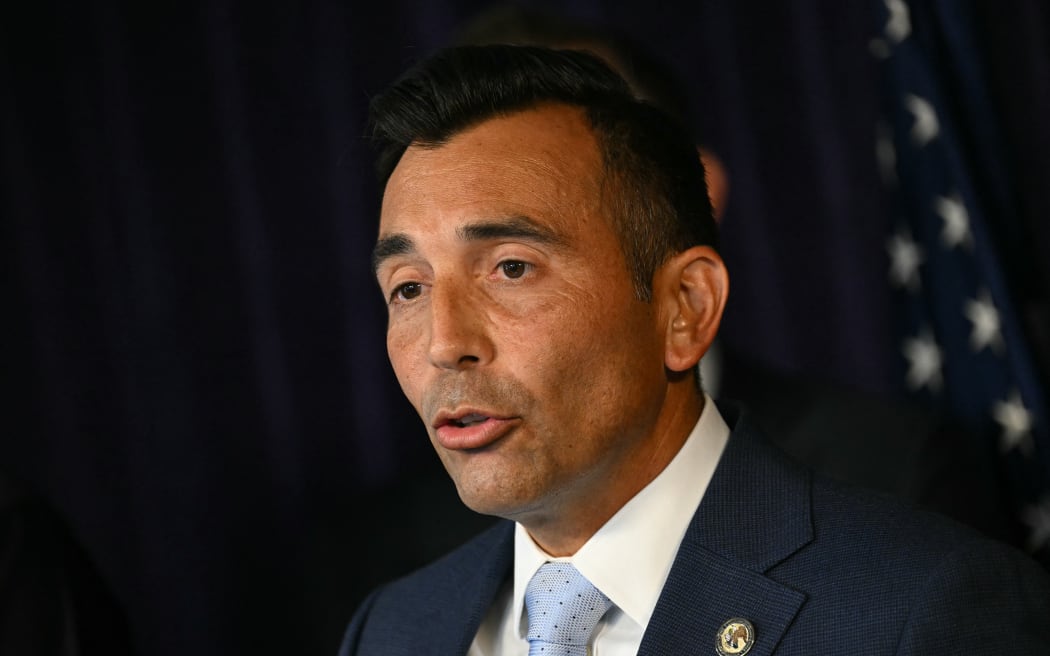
column 513, row 268
column 406, row 292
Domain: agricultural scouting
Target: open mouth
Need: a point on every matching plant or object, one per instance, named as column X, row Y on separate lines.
column 464, row 430
column 468, row 420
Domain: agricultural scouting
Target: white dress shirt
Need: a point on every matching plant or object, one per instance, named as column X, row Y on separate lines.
column 628, row 559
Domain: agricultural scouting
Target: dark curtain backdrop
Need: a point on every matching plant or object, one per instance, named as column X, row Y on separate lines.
column 193, row 346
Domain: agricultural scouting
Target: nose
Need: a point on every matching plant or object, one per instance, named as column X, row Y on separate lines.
column 459, row 335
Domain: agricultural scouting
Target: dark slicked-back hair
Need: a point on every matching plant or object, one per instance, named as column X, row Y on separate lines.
column 653, row 179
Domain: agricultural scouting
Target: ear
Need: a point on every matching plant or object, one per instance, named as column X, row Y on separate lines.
column 694, row 285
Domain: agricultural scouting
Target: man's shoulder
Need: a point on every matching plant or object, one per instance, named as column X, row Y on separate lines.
column 929, row 581
column 834, row 535
column 440, row 604
column 859, row 562
column 863, row 527
column 489, row 553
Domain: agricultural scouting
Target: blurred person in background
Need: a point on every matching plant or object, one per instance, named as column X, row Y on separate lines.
column 52, row 600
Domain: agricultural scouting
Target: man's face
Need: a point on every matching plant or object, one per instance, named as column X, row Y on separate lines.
column 513, row 325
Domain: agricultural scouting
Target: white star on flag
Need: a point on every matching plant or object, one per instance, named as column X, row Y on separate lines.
column 1037, row 518
column 924, row 362
column 926, row 126
column 985, row 319
column 898, row 27
column 956, row 231
column 905, row 258
column 1016, row 422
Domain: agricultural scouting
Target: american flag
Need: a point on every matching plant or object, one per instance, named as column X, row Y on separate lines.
column 961, row 343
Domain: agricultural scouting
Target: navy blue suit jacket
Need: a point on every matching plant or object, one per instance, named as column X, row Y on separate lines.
column 818, row 568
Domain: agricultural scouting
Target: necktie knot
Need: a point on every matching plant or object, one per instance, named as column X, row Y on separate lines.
column 563, row 608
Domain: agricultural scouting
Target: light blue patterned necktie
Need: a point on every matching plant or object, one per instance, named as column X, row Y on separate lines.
column 563, row 608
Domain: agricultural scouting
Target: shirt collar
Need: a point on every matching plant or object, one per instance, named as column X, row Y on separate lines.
column 643, row 537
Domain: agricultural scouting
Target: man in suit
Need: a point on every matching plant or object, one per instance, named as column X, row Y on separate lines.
column 547, row 251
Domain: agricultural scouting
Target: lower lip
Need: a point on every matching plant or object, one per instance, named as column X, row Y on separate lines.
column 474, row 436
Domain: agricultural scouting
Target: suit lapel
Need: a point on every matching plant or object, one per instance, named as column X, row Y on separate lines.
column 755, row 513
column 474, row 576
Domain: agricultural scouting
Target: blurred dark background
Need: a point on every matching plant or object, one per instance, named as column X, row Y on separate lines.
column 195, row 378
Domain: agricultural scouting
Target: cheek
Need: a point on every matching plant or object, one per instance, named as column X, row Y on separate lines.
column 588, row 353
column 571, row 346
column 402, row 346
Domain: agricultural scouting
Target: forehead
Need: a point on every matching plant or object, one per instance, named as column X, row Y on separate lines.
column 542, row 163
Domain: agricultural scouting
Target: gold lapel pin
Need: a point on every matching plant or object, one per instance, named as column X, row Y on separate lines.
column 735, row 638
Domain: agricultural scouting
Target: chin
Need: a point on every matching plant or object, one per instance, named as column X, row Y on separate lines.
column 495, row 503
column 486, row 506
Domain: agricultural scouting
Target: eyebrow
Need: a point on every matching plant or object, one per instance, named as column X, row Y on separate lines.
column 388, row 247
column 515, row 227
